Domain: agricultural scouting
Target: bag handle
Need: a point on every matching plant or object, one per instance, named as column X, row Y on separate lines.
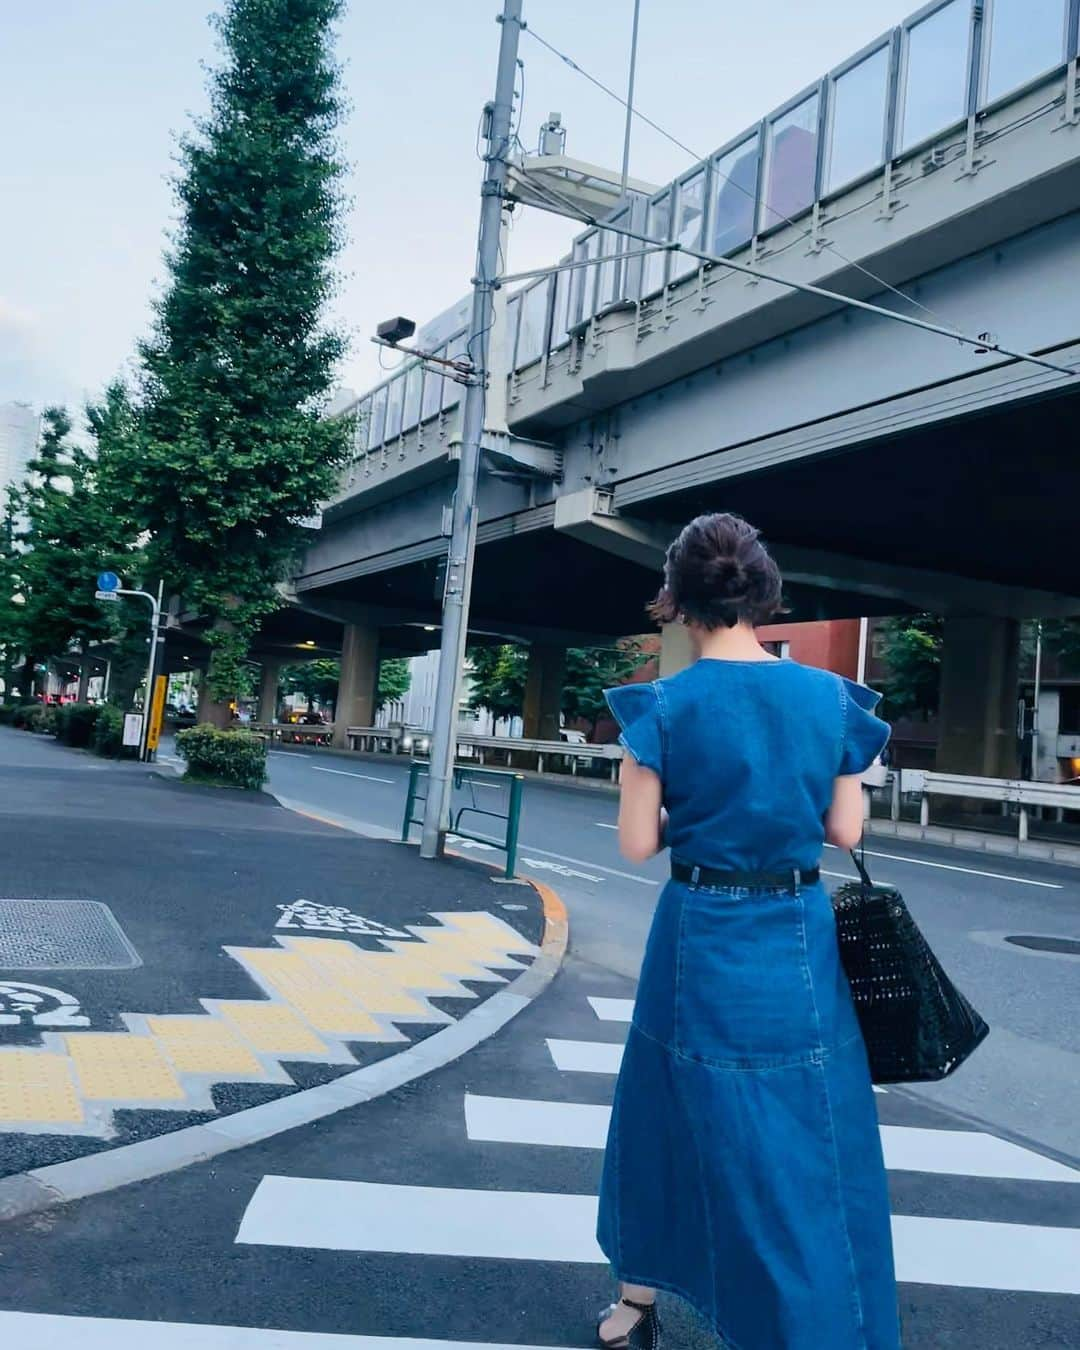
column 859, row 859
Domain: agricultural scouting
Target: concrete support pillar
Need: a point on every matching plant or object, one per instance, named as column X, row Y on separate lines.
column 979, row 690
column 676, row 649
column 542, row 710
column 355, row 703
column 268, row 689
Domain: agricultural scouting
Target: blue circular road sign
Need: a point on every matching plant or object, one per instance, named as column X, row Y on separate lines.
column 108, row 581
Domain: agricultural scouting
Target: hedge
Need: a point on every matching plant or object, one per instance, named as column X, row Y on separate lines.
column 7, row 713
column 75, row 723
column 227, row 758
column 109, row 732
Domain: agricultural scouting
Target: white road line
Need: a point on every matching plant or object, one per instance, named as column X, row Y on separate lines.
column 967, row 1153
column 510, row 1120
column 601, row 826
column 291, row 754
column 359, row 1216
column 586, row 1056
column 597, row 867
column 612, row 1009
column 969, row 871
column 47, row 1331
column 977, row 1255
column 348, row 773
column 944, row 1152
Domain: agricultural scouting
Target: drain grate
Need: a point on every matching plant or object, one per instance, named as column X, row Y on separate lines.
column 62, row 935
column 1063, row 946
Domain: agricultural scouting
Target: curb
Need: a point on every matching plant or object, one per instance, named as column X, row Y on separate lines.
column 43, row 1188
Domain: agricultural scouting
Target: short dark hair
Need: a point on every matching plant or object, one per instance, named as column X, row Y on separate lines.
column 718, row 573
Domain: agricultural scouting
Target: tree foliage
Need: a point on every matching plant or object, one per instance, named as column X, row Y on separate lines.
column 317, row 681
column 394, row 680
column 233, row 454
column 66, row 534
column 913, row 663
column 591, row 670
column 497, row 679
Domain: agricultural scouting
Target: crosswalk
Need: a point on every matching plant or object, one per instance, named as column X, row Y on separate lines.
column 418, row 1219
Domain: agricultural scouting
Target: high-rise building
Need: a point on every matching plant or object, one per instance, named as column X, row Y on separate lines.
column 20, row 427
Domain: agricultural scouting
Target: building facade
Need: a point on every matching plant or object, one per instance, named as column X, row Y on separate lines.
column 20, row 427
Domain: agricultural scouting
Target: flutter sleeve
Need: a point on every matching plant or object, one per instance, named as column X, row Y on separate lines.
column 865, row 736
column 637, row 710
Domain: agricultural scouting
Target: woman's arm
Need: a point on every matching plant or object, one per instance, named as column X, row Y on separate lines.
column 844, row 818
column 641, row 813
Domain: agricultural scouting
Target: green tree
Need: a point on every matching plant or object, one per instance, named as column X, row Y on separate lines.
column 591, row 670
column 66, row 537
column 233, row 453
column 317, row 681
column 497, row 679
column 913, row 664
column 9, row 588
column 394, row 680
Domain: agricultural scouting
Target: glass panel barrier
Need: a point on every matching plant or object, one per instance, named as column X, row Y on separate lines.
column 935, row 72
column 858, row 105
column 658, row 226
column 608, row 272
column 410, row 408
column 790, row 163
column 734, row 196
column 455, row 351
column 433, row 383
column 533, row 328
column 378, row 417
column 583, row 287
column 362, row 434
column 559, row 318
column 1024, row 38
column 691, row 223
column 395, row 398
column 513, row 310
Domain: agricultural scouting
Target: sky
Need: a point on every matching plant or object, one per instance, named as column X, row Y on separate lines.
column 94, row 94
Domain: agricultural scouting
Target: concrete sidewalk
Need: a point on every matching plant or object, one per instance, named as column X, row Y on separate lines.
column 172, row 955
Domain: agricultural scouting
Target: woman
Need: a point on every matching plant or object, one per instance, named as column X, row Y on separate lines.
column 743, row 1168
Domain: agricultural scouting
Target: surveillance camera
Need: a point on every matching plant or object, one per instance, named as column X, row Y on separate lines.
column 395, row 330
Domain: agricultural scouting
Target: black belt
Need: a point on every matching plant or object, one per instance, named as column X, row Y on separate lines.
column 791, row 878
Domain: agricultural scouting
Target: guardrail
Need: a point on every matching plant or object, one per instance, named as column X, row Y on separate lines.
column 1007, row 791
column 322, row 733
column 466, row 778
column 398, row 740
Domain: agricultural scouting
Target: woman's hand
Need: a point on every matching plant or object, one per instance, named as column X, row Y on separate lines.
column 642, row 818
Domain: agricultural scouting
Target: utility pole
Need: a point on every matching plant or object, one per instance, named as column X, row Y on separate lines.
column 630, row 100
column 455, row 610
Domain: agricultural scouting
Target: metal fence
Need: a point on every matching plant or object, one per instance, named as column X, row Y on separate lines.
column 464, row 802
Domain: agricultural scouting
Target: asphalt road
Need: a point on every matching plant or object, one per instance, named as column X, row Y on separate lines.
column 1024, row 1079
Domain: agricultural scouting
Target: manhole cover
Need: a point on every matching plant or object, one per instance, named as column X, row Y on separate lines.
column 1064, row 946
column 62, row 935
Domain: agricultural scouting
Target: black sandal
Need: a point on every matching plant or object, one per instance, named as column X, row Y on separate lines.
column 643, row 1335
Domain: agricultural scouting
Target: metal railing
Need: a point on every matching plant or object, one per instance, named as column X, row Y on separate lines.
column 397, row 740
column 467, row 780
column 1008, row 791
column 318, row 734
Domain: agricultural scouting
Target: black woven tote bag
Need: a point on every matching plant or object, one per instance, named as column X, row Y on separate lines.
column 917, row 1025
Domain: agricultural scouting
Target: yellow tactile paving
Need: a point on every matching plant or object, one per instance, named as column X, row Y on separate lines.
column 272, row 1028
column 344, row 964
column 455, row 960
column 37, row 1087
column 465, row 947
column 412, row 969
column 119, row 1066
column 203, row 1045
column 308, row 989
column 489, row 931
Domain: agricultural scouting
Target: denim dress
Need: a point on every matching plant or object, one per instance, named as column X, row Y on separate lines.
column 743, row 1168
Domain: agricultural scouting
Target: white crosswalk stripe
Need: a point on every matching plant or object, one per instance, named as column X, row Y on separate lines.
column 513, row 1120
column 586, row 1056
column 47, row 1331
column 516, row 1225
column 359, row 1216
